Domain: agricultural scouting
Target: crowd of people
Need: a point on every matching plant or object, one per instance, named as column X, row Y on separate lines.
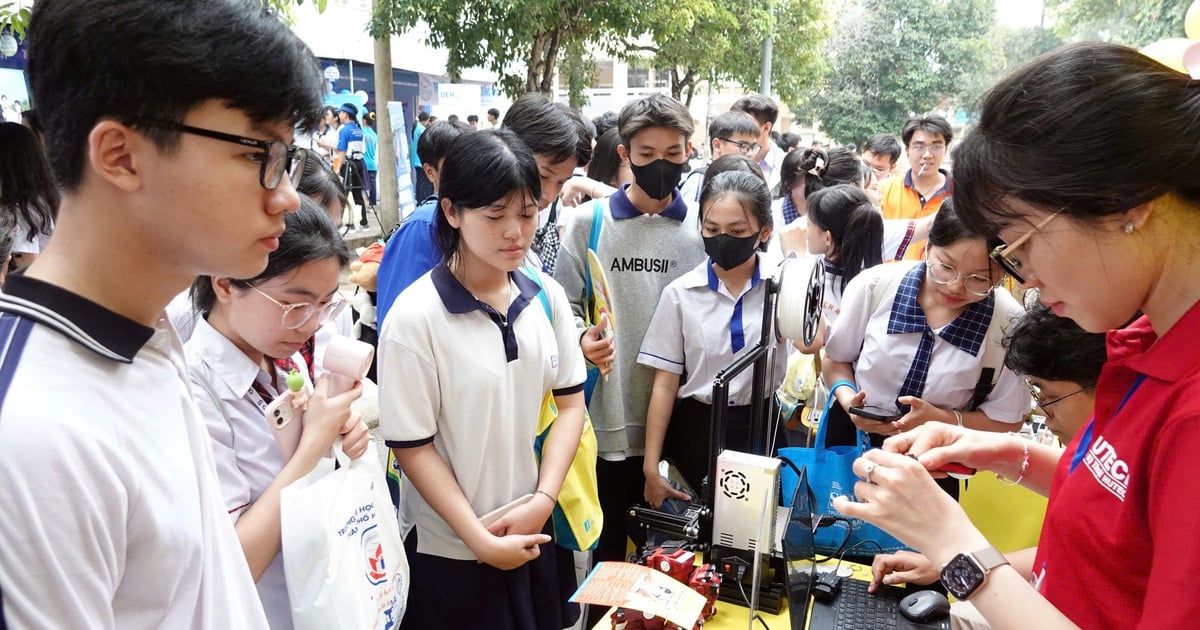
column 171, row 242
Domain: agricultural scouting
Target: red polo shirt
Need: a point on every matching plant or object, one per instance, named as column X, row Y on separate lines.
column 1120, row 546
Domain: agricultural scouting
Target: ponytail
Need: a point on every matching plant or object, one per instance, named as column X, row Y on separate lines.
column 855, row 226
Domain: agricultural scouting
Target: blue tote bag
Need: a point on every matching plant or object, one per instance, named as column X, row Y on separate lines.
column 830, row 474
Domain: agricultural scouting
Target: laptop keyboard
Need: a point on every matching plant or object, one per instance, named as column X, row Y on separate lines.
column 858, row 610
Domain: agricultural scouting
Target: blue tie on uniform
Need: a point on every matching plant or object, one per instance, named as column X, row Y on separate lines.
column 967, row 332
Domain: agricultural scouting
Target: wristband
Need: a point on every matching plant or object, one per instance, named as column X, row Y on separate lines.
column 957, row 416
column 842, row 383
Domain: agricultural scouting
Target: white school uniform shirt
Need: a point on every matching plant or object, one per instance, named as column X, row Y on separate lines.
column 470, row 382
column 112, row 514
column 245, row 452
column 699, row 328
column 881, row 359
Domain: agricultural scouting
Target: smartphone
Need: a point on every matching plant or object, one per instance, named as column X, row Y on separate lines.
column 882, row 414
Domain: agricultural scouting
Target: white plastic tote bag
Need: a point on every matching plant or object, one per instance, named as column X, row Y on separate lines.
column 342, row 552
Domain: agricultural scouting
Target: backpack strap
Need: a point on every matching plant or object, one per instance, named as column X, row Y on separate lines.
column 545, row 299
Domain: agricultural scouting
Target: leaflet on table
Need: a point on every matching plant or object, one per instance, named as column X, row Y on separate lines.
column 643, row 589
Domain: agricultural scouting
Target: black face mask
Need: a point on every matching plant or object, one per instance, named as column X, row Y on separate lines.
column 730, row 251
column 658, row 178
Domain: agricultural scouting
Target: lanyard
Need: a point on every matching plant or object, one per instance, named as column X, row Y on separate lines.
column 1085, row 441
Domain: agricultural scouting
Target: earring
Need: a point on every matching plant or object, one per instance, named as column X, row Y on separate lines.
column 1129, row 227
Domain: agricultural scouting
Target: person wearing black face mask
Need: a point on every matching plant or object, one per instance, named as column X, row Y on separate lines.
column 645, row 237
column 704, row 320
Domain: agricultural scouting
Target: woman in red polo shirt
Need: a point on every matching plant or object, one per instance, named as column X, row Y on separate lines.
column 1085, row 164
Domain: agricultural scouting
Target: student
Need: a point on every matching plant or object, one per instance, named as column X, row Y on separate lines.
column 27, row 191
column 411, row 252
column 706, row 318
column 1061, row 363
column 1101, row 216
column 473, row 121
column 318, row 182
column 729, row 133
column 881, row 153
column 805, row 172
column 327, row 133
column 423, row 187
column 112, row 511
column 919, row 347
column 647, row 239
column 466, row 356
column 766, row 113
column 926, row 184
column 846, row 232
column 493, row 117
column 249, row 337
column 546, row 242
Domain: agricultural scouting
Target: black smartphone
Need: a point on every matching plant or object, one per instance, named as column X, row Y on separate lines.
column 881, row 414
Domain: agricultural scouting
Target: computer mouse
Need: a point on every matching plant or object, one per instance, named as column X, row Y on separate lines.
column 925, row 606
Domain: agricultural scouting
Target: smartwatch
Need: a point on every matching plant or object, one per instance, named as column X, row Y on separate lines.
column 966, row 572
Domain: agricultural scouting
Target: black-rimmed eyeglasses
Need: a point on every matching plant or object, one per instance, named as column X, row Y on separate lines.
column 1036, row 392
column 745, row 148
column 277, row 159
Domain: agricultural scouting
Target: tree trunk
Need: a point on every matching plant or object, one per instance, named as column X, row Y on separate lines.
column 389, row 198
column 533, row 63
column 546, row 86
column 676, row 85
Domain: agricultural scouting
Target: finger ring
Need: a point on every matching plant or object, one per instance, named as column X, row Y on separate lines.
column 871, row 466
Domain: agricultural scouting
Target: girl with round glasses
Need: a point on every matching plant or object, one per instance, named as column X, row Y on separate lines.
column 240, row 355
column 1084, row 164
column 912, row 341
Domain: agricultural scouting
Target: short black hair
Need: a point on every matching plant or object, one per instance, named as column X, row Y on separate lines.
column 481, row 168
column 604, row 122
column 545, row 128
column 1043, row 345
column 728, row 123
column 309, row 236
column 733, row 162
column 585, row 132
column 788, row 141
column 494, row 113
column 884, row 144
column 132, row 60
column 654, row 111
column 433, row 145
column 932, row 124
column 422, row 115
column 762, row 108
column 949, row 228
column 473, row 118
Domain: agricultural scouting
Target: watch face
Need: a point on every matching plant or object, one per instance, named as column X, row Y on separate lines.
column 961, row 576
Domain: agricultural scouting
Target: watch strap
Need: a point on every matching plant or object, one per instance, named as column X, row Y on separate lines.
column 989, row 558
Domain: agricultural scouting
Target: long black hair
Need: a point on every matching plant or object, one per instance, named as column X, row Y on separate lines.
column 815, row 169
column 481, row 168
column 27, row 187
column 309, row 235
column 1091, row 129
column 854, row 225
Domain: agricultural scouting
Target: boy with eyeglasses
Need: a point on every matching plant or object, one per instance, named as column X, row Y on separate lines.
column 731, row 133
column 171, row 166
column 926, row 185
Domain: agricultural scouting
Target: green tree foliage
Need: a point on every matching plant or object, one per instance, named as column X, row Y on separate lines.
column 721, row 40
column 1131, row 22
column 14, row 19
column 504, row 35
column 1006, row 48
column 888, row 60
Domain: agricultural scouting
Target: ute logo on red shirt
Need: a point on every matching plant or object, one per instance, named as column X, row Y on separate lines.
column 1110, row 471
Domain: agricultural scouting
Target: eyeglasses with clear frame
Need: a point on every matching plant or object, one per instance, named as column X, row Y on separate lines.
column 297, row 315
column 745, row 148
column 943, row 274
column 1036, row 392
column 1003, row 253
column 277, row 157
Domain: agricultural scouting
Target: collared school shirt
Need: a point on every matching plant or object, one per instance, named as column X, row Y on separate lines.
column 699, row 329
column 245, row 452
column 112, row 515
column 882, row 359
column 469, row 380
